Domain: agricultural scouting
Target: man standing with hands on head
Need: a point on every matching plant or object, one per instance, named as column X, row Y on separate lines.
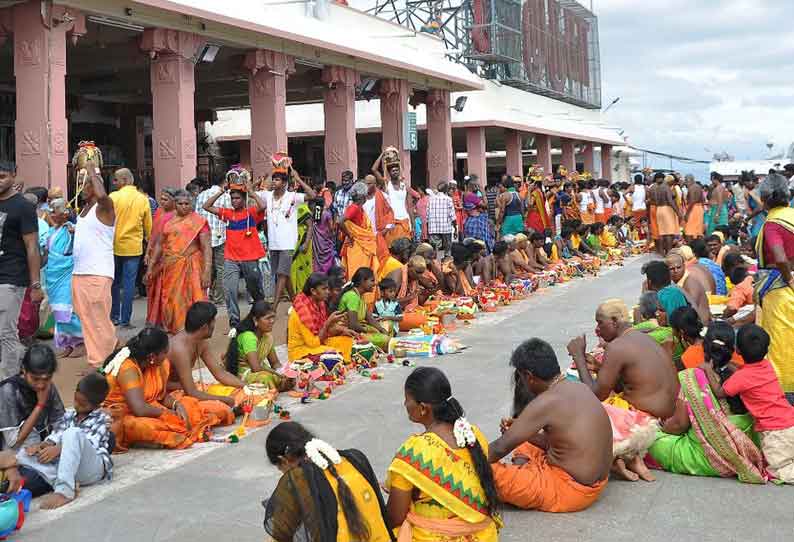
column 19, row 266
column 133, row 224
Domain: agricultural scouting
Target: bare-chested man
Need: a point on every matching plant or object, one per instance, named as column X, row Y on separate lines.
column 538, row 240
column 717, row 214
column 503, row 263
column 639, row 371
column 693, row 221
column 482, row 266
column 576, row 441
column 691, row 283
column 190, row 344
column 427, row 251
column 667, row 214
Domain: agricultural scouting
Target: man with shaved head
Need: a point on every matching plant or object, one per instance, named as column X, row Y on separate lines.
column 637, row 382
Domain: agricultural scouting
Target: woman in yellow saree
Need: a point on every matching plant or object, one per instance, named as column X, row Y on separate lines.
column 441, row 486
column 311, row 331
column 324, row 495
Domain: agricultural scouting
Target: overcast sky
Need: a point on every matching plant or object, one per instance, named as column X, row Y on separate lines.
column 699, row 74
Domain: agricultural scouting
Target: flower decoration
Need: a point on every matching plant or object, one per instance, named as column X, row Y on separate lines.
column 535, row 173
column 320, row 452
column 114, row 365
column 464, row 434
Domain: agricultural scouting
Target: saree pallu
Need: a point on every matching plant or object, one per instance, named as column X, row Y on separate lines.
column 323, row 252
column 537, row 217
column 159, row 220
column 366, row 251
column 716, row 444
column 58, row 283
column 179, row 278
column 303, row 258
column 401, row 230
column 449, row 502
column 169, row 430
column 716, row 216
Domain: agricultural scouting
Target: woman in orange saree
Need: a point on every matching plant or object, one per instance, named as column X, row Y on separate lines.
column 181, row 266
column 537, row 217
column 163, row 214
column 142, row 411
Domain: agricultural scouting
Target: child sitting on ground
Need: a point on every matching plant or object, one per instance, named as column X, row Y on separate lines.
column 78, row 450
column 759, row 389
column 387, row 309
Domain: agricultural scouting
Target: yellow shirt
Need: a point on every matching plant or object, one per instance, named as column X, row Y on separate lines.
column 133, row 221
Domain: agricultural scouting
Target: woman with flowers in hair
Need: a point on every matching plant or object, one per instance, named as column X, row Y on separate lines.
column 440, row 483
column 324, row 495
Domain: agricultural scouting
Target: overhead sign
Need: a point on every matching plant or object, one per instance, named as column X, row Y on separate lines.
column 410, row 136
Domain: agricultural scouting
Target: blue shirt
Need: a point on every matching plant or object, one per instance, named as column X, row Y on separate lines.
column 716, row 272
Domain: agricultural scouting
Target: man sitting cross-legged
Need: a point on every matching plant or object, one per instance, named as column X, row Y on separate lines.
column 644, row 382
column 565, row 468
column 192, row 343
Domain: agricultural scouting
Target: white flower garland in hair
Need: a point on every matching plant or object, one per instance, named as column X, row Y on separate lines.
column 317, row 450
column 464, row 434
column 114, row 366
column 232, row 333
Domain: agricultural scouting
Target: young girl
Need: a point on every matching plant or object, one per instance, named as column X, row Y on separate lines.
column 359, row 317
column 387, row 309
column 251, row 354
column 324, row 495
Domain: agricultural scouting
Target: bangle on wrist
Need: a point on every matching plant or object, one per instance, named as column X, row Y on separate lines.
column 41, row 405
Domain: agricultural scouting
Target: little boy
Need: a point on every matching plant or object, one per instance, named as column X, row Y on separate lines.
column 387, row 310
column 78, row 450
column 757, row 385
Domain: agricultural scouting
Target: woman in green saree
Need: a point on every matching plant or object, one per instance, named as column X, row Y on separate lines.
column 360, row 318
column 302, row 265
column 703, row 437
column 251, row 354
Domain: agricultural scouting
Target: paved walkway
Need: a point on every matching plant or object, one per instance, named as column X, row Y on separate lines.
column 213, row 491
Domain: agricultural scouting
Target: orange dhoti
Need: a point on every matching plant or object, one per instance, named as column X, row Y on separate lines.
column 91, row 300
column 694, row 225
column 667, row 221
column 539, row 485
column 217, row 412
column 654, row 225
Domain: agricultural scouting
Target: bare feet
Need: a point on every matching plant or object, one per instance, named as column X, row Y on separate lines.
column 638, row 465
column 619, row 468
column 53, row 501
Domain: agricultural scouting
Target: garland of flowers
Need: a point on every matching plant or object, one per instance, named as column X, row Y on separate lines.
column 114, row 365
column 320, row 452
column 464, row 434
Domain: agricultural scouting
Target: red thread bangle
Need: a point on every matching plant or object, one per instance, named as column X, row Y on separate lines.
column 41, row 405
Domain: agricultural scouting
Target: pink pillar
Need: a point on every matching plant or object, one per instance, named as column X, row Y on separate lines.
column 475, row 150
column 514, row 163
column 267, row 90
column 173, row 114
column 568, row 155
column 439, row 138
column 543, row 147
column 41, row 128
column 606, row 161
column 394, row 94
column 589, row 158
column 341, row 151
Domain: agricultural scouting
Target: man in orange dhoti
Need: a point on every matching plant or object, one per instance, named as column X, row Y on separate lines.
column 397, row 192
column 565, row 468
column 694, row 227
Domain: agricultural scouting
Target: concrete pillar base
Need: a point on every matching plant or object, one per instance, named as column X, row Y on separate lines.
column 475, row 150
column 341, row 150
column 515, row 161
column 589, row 158
column 543, row 146
column 394, row 95
column 439, row 138
column 568, row 155
column 606, row 161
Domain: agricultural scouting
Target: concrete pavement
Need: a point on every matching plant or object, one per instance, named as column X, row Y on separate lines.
column 213, row 492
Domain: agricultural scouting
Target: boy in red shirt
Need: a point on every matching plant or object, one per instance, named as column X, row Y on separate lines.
column 243, row 249
column 757, row 385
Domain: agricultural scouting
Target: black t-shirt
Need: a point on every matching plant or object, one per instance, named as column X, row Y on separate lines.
column 17, row 218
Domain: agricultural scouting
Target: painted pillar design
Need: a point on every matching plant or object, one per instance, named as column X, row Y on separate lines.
column 475, row 150
column 41, row 128
column 267, row 90
column 439, row 138
column 568, row 155
column 514, row 162
column 173, row 114
column 394, row 95
column 589, row 158
column 341, row 151
column 543, row 146
column 606, row 161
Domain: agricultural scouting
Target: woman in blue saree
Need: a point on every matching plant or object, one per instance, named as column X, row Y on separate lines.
column 58, row 281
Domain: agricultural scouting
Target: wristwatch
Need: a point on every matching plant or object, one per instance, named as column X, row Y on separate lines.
column 35, row 286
